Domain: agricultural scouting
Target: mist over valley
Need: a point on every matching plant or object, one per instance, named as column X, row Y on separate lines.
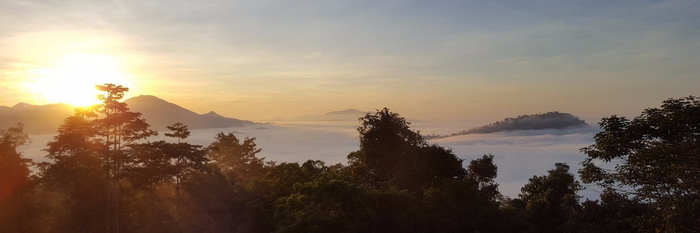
column 330, row 137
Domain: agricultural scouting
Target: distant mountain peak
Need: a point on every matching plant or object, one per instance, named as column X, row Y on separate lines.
column 146, row 98
column 212, row 113
column 349, row 111
column 349, row 114
column 160, row 113
column 23, row 105
column 157, row 112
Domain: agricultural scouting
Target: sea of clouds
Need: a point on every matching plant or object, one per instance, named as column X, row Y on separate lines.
column 518, row 154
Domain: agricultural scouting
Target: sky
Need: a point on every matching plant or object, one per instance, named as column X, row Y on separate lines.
column 432, row 60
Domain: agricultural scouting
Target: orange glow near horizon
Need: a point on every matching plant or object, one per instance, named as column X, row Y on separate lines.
column 72, row 79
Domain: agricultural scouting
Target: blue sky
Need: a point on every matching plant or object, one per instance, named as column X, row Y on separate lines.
column 425, row 59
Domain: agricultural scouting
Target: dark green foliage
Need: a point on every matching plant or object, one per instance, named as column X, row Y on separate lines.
column 278, row 182
column 17, row 204
column 391, row 153
column 552, row 202
column 235, row 158
column 162, row 162
column 77, row 175
column 211, row 203
column 386, row 141
column 656, row 158
column 325, row 204
column 180, row 131
column 615, row 213
column 14, row 168
column 484, row 171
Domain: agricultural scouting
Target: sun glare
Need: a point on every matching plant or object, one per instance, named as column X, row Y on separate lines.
column 73, row 78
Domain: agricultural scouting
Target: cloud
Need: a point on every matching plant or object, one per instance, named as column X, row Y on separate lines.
column 452, row 59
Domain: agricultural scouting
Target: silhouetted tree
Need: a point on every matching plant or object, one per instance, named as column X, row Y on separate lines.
column 120, row 128
column 184, row 158
column 385, row 140
column 328, row 203
column 615, row 213
column 656, row 158
column 180, row 131
column 235, row 158
column 89, row 157
column 552, row 202
column 14, row 168
column 76, row 173
column 391, row 153
column 484, row 171
column 16, row 206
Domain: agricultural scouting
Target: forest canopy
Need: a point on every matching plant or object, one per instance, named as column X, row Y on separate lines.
column 104, row 174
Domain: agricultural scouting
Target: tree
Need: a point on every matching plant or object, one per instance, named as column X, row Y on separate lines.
column 484, row 171
column 552, row 200
column 615, row 212
column 184, row 158
column 90, row 155
column 76, row 173
column 391, row 153
column 655, row 157
column 119, row 127
column 16, row 206
column 325, row 204
column 180, row 131
column 13, row 166
column 235, row 158
column 385, row 140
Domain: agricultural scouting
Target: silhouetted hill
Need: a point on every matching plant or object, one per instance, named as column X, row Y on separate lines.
column 37, row 119
column 41, row 119
column 4, row 109
column 160, row 113
column 342, row 115
column 542, row 121
column 350, row 111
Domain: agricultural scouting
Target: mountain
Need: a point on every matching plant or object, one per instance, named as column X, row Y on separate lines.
column 36, row 119
column 157, row 112
column 541, row 121
column 350, row 111
column 342, row 115
column 160, row 113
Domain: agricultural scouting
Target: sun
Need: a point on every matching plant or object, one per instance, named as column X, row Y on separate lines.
column 73, row 78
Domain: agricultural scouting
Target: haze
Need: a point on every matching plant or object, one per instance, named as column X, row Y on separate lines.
column 453, row 60
column 518, row 154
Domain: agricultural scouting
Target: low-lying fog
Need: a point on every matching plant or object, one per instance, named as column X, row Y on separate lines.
column 518, row 154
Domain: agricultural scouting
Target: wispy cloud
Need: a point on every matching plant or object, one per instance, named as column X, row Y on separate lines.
column 466, row 55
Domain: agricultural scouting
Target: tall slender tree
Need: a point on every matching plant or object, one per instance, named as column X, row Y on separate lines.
column 94, row 144
column 183, row 157
column 119, row 127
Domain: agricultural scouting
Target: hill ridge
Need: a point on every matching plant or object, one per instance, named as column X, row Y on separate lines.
column 539, row 121
column 159, row 113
